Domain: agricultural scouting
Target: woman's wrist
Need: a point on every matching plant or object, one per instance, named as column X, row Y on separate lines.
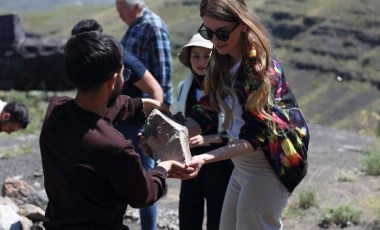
column 224, row 137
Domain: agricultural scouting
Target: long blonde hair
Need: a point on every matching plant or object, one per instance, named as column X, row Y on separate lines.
column 219, row 87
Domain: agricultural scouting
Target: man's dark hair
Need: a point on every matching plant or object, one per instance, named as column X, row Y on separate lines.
column 86, row 25
column 91, row 58
column 18, row 113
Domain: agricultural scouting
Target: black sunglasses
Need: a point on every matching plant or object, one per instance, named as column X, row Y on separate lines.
column 221, row 35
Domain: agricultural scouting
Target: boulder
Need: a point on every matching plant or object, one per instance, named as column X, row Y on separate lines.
column 9, row 219
column 32, row 212
column 166, row 139
column 38, row 198
column 17, row 190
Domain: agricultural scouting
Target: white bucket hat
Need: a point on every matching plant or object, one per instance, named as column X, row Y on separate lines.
column 196, row 40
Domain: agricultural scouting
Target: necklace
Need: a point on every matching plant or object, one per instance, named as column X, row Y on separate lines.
column 233, row 81
column 233, row 72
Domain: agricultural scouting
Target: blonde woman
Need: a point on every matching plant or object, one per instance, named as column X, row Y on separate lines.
column 268, row 136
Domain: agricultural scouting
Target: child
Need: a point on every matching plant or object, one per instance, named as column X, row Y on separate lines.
column 212, row 181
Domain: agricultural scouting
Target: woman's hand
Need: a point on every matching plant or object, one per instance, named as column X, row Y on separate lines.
column 205, row 140
column 197, row 140
column 196, row 163
column 150, row 104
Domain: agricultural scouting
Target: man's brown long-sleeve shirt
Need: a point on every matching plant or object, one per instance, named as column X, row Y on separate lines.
column 92, row 173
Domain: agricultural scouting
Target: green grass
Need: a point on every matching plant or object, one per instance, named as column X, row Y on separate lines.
column 306, row 199
column 343, row 216
column 292, row 212
column 372, row 203
column 58, row 23
column 347, row 176
column 15, row 151
column 298, row 204
column 370, row 162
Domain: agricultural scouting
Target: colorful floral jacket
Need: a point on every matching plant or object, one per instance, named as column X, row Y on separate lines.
column 286, row 149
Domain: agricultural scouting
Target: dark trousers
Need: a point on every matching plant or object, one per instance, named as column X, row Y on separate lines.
column 210, row 185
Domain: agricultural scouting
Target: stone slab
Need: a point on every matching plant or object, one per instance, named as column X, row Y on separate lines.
column 166, row 139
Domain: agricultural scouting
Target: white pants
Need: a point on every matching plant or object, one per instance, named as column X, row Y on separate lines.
column 255, row 197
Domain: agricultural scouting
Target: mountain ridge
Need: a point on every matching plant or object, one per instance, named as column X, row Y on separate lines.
column 329, row 49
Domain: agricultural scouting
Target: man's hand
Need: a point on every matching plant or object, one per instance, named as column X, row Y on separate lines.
column 177, row 169
column 144, row 147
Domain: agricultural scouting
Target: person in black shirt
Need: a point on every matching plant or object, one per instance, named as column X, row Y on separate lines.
column 211, row 183
column 92, row 173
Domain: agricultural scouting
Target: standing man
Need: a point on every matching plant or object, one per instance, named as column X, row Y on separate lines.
column 92, row 173
column 148, row 39
column 14, row 116
column 136, row 83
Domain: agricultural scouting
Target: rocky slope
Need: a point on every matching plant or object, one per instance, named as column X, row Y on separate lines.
column 330, row 50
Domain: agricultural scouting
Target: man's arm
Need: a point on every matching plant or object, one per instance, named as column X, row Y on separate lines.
column 149, row 85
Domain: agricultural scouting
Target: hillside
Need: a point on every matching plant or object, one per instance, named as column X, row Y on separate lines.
column 324, row 41
column 318, row 42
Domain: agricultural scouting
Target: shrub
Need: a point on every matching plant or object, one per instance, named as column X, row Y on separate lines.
column 14, row 152
column 347, row 176
column 370, row 162
column 306, row 199
column 343, row 216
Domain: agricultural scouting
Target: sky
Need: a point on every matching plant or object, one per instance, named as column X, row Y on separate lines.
column 39, row 5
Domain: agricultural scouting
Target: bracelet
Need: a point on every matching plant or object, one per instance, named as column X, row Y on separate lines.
column 224, row 136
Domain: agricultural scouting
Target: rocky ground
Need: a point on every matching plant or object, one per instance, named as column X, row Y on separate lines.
column 331, row 152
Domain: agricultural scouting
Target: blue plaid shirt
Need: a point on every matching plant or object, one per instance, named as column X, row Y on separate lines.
column 148, row 39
